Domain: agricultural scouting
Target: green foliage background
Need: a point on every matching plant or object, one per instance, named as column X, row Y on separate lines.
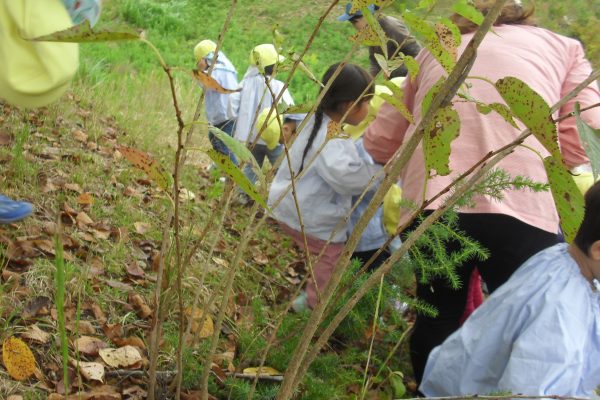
column 175, row 26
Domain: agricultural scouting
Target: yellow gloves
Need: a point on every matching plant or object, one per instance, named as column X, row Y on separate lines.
column 33, row 74
column 391, row 209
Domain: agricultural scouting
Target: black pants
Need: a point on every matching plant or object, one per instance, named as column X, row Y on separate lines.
column 510, row 243
column 364, row 256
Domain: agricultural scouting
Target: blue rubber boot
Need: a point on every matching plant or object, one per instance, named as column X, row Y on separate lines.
column 13, row 211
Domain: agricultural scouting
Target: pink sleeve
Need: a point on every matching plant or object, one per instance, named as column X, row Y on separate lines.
column 568, row 136
column 386, row 133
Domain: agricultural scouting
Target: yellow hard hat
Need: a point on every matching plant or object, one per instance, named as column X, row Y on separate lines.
column 272, row 131
column 34, row 74
column 264, row 55
column 204, row 48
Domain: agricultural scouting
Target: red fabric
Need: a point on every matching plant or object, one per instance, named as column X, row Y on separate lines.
column 323, row 267
column 475, row 296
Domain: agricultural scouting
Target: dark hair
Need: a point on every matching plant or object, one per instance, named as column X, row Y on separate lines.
column 269, row 69
column 351, row 83
column 589, row 230
column 513, row 13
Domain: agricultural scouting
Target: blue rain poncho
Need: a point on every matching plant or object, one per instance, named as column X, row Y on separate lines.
column 538, row 334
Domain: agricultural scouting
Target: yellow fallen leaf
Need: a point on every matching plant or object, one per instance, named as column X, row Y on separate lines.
column 123, row 357
column 18, row 358
column 262, row 371
column 207, row 329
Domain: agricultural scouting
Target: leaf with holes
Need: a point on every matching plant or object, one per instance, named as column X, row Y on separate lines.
column 225, row 164
column 532, row 109
column 438, row 138
column 83, row 33
column 468, row 11
column 397, row 100
column 567, row 197
column 449, row 37
column 18, row 359
column 151, row 167
column 429, row 37
column 591, row 141
column 376, row 27
column 366, row 36
column 209, row 82
column 335, row 130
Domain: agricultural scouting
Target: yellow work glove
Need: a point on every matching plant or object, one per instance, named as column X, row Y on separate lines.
column 391, row 209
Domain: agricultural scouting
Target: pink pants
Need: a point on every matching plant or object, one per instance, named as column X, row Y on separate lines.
column 323, row 268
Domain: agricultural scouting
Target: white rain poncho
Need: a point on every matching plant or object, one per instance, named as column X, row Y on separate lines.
column 325, row 190
column 254, row 96
column 538, row 334
column 217, row 104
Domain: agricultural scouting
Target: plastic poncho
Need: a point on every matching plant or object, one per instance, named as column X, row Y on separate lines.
column 538, row 334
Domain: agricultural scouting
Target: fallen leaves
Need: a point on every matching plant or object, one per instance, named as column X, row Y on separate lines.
column 123, row 357
column 92, row 371
column 89, row 346
column 201, row 327
column 18, row 359
column 35, row 334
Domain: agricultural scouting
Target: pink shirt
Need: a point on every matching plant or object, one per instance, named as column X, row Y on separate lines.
column 550, row 64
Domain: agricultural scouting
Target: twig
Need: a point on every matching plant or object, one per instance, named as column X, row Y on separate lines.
column 272, row 378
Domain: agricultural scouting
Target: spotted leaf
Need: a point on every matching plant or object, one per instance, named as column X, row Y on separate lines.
column 83, row 33
column 438, row 138
column 532, row 109
column 18, row 359
column 501, row 109
column 412, row 66
column 468, row 11
column 150, row 166
column 429, row 37
column 335, row 130
column 567, row 197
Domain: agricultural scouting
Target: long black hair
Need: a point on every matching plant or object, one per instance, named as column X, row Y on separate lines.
column 589, row 231
column 348, row 86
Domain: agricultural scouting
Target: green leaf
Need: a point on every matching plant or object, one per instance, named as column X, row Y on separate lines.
column 433, row 91
column 438, row 138
column 412, row 66
column 226, row 165
column 235, row 146
column 383, row 63
column 591, row 141
column 501, row 109
column 397, row 100
column 303, row 108
column 567, row 197
column 83, row 33
column 533, row 110
column 397, row 384
column 429, row 37
column 464, row 9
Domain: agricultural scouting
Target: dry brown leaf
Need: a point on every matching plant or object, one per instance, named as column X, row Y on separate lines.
column 131, row 192
column 89, row 346
column 103, row 234
column 80, row 135
column 92, row 371
column 119, row 285
column 113, row 331
column 35, row 334
column 186, row 195
column 83, row 220
column 82, row 328
column 98, row 313
column 85, row 198
column 134, row 269
column 14, row 397
column 105, row 392
column 130, row 341
column 141, row 227
column 135, row 392
column 262, row 371
column 74, row 187
column 18, row 359
column 5, row 138
column 207, row 328
column 36, row 307
column 221, row 262
column 139, row 305
column 123, row 357
column 260, row 259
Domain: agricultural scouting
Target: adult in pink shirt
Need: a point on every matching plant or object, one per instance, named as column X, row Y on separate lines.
column 524, row 222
